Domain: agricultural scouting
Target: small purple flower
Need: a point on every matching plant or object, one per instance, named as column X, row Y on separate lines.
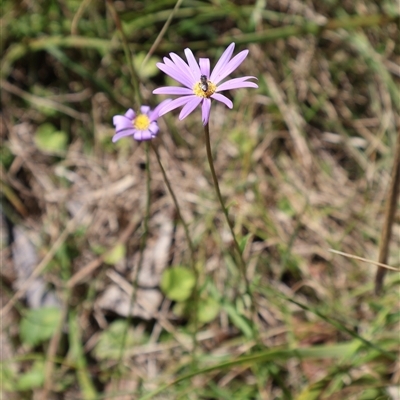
column 201, row 86
column 142, row 126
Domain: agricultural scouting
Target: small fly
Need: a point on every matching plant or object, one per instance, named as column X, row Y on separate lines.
column 204, row 83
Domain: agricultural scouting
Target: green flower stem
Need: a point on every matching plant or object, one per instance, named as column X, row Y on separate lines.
column 221, row 201
column 171, row 192
column 195, row 296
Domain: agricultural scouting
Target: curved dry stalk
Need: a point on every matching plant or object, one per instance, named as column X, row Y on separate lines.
column 364, row 259
column 390, row 210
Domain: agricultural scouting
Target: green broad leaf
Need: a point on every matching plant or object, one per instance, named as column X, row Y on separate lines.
column 208, row 310
column 109, row 345
column 177, row 283
column 147, row 70
column 39, row 325
column 49, row 139
column 116, row 254
column 32, row 379
column 8, row 376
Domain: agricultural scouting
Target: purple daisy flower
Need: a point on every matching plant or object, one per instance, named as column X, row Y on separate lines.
column 142, row 126
column 201, row 86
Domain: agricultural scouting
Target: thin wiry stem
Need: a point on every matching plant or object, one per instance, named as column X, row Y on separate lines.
column 171, row 192
column 162, row 32
column 191, row 247
column 224, row 209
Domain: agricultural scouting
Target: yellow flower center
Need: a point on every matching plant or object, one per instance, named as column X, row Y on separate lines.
column 141, row 122
column 198, row 91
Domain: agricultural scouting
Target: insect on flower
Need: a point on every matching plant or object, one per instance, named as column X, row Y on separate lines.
column 204, row 83
column 200, row 85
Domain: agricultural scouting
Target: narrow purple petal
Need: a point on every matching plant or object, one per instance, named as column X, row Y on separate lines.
column 241, row 85
column 194, row 67
column 130, row 114
column 184, row 74
column 175, row 73
column 237, row 83
column 142, row 135
column 144, row 109
column 154, row 115
column 204, row 67
column 177, row 90
column 181, row 69
column 121, row 122
column 180, row 101
column 231, row 66
column 205, row 111
column 169, row 62
column 222, row 99
column 223, row 60
column 189, row 107
column 182, row 65
column 153, row 128
column 119, row 135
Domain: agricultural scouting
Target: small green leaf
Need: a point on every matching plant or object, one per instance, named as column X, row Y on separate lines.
column 177, row 283
column 8, row 376
column 116, row 254
column 109, row 345
column 208, row 310
column 47, row 138
column 149, row 69
column 39, row 325
column 32, row 379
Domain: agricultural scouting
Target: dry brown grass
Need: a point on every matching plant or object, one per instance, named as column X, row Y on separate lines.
column 304, row 164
